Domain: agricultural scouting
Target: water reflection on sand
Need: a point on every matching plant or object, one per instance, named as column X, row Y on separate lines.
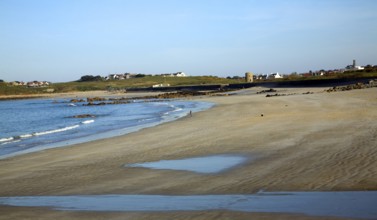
column 206, row 165
column 357, row 204
column 338, row 204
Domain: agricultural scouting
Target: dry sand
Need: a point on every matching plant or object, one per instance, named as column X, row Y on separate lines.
column 321, row 141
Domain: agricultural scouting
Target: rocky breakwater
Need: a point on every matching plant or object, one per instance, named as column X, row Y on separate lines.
column 97, row 101
column 76, row 100
column 370, row 84
column 182, row 94
column 267, row 91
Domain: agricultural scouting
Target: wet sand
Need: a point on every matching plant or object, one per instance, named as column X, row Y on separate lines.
column 314, row 142
column 345, row 204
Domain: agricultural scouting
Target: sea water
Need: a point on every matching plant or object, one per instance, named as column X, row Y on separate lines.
column 37, row 124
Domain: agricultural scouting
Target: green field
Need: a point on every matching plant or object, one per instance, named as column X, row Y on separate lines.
column 147, row 81
column 19, row 90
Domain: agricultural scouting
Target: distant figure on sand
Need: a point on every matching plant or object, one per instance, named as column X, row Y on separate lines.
column 190, row 113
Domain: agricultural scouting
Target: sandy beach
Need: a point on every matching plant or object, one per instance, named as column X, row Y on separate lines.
column 303, row 142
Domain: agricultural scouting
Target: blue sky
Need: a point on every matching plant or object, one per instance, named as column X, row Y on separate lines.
column 61, row 40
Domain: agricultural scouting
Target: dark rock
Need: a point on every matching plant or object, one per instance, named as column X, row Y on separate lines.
column 350, row 87
column 95, row 104
column 268, row 95
column 266, row 91
column 95, row 99
column 76, row 100
column 84, row 116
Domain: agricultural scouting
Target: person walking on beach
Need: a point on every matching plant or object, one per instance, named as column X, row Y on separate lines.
column 190, row 113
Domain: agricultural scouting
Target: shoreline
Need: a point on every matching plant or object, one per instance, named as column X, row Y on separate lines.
column 99, row 93
column 315, row 142
column 106, row 134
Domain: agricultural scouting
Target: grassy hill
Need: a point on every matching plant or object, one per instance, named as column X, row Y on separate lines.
column 6, row 89
column 148, row 81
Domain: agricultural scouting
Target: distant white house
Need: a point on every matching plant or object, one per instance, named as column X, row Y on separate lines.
column 275, row 76
column 37, row 84
column 119, row 76
column 178, row 74
column 354, row 67
column 17, row 83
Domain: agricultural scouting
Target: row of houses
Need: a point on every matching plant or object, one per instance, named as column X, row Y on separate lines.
column 30, row 84
column 120, row 76
column 268, row 76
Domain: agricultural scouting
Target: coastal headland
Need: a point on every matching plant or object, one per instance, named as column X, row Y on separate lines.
column 304, row 139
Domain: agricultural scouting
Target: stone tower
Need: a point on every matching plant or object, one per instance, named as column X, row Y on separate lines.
column 249, row 77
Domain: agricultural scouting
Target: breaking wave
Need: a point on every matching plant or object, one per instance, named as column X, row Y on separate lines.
column 24, row 136
column 56, row 130
column 87, row 122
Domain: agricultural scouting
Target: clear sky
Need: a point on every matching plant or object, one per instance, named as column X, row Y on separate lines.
column 62, row 40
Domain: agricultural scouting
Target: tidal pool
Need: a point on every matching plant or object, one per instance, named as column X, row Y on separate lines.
column 359, row 204
column 206, row 165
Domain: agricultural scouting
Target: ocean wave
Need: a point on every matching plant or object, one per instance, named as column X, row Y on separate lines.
column 26, row 135
column 56, row 130
column 6, row 139
column 87, row 122
column 146, row 119
column 9, row 142
column 17, row 138
column 14, row 138
column 177, row 109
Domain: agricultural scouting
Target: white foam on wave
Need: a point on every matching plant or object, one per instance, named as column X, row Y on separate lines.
column 26, row 135
column 56, row 130
column 14, row 139
column 87, row 122
column 6, row 139
column 177, row 109
column 9, row 142
column 145, row 119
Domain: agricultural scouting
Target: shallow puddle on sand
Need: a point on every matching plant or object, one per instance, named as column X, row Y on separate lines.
column 360, row 204
column 206, row 165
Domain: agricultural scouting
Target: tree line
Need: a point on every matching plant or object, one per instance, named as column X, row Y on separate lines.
column 91, row 78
